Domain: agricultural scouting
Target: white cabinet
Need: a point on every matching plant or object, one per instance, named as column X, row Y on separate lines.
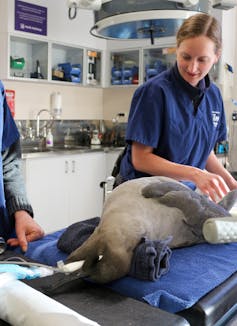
column 156, row 60
column 125, row 67
column 46, row 186
column 86, row 196
column 64, row 189
column 28, row 58
column 67, row 63
column 132, row 67
column 31, row 57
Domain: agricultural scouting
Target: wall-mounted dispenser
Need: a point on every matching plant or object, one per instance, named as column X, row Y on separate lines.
column 56, row 104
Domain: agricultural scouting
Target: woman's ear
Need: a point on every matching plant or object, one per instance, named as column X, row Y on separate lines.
column 218, row 55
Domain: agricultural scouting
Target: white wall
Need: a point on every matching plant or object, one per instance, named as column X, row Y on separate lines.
column 77, row 102
column 230, row 108
column 92, row 103
column 60, row 27
column 117, row 100
column 228, row 80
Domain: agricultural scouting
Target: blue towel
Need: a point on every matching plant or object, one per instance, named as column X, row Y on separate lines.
column 45, row 250
column 150, row 259
column 194, row 271
column 74, row 236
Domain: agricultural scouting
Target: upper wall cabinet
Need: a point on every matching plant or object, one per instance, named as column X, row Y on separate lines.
column 93, row 65
column 28, row 58
column 67, row 63
column 125, row 67
column 132, row 67
column 76, row 65
column 36, row 59
column 157, row 60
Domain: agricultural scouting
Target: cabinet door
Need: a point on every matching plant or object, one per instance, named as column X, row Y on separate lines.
column 28, row 58
column 46, row 185
column 67, row 63
column 86, row 195
column 157, row 60
column 125, row 67
column 93, row 70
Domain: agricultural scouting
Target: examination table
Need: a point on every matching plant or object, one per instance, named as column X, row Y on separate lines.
column 110, row 308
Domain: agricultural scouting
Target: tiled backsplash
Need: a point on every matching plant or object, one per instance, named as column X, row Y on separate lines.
column 80, row 131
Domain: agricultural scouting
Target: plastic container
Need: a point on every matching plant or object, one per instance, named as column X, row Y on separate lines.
column 17, row 63
column 49, row 139
column 69, row 140
column 95, row 140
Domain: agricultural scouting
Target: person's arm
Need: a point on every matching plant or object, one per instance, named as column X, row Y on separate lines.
column 209, row 183
column 14, row 187
column 214, row 166
column 17, row 204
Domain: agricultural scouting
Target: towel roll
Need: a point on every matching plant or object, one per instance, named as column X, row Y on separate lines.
column 151, row 259
column 220, row 230
column 20, row 305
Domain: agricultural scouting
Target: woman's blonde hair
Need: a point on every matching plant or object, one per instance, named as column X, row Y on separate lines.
column 200, row 25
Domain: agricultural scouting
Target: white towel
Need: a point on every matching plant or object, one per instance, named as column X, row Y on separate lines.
column 21, row 305
column 221, row 230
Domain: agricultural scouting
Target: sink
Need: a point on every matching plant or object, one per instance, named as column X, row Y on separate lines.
column 39, row 149
column 62, row 147
column 34, row 149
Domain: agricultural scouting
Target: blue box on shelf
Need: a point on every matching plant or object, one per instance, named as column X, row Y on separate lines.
column 76, row 69
column 72, row 72
column 75, row 79
column 116, row 76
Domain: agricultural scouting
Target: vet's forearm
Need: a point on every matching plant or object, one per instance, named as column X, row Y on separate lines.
column 145, row 161
column 214, row 166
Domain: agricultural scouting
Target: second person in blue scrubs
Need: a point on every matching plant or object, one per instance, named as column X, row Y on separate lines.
column 177, row 117
column 17, row 226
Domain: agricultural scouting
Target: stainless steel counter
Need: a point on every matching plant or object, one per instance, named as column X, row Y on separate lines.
column 36, row 152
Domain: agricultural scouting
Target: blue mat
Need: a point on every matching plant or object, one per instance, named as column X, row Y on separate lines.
column 45, row 250
column 194, row 271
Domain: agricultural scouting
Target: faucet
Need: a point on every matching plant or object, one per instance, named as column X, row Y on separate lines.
column 118, row 115
column 38, row 121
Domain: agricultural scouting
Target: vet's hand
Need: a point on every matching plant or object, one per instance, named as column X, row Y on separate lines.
column 27, row 230
column 212, row 185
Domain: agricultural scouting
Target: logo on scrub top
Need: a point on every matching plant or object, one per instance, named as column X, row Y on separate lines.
column 215, row 118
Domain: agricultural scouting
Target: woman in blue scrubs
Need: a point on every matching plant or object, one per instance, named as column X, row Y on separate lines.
column 177, row 117
column 17, row 226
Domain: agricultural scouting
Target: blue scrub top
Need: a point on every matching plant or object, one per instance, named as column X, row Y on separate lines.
column 163, row 115
column 8, row 135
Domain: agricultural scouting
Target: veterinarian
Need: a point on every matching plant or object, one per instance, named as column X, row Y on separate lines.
column 16, row 223
column 177, row 117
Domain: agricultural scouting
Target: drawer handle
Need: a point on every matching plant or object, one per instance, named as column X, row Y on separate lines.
column 73, row 166
column 66, row 166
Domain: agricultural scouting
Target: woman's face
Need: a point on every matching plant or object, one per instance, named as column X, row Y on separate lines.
column 195, row 58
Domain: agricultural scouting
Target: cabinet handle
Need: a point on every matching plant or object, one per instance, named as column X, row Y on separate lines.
column 66, row 166
column 73, row 166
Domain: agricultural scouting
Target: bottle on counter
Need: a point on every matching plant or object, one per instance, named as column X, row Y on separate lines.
column 69, row 140
column 43, row 141
column 49, row 139
column 95, row 140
